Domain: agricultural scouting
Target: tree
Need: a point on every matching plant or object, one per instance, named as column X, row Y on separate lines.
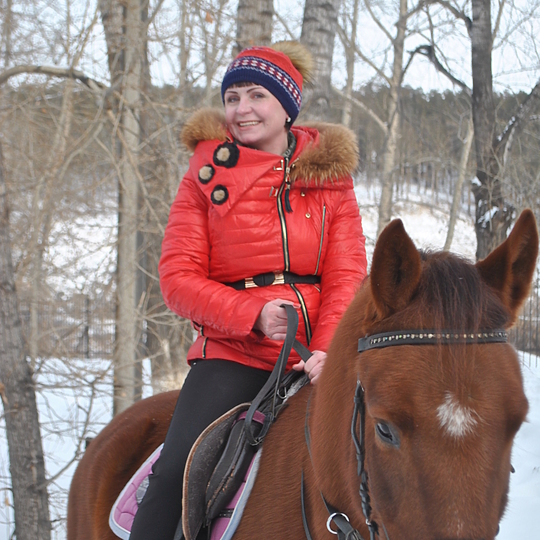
column 29, row 485
column 125, row 42
column 254, row 23
column 494, row 212
column 318, row 35
column 392, row 76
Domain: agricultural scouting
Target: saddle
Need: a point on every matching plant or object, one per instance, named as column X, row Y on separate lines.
column 220, row 460
column 222, row 465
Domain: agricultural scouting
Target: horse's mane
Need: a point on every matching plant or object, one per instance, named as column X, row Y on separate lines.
column 452, row 295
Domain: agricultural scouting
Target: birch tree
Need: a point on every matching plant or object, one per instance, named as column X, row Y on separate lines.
column 392, row 75
column 125, row 38
column 318, row 35
column 27, row 465
column 254, row 23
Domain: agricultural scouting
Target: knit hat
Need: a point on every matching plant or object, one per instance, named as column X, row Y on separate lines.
column 281, row 69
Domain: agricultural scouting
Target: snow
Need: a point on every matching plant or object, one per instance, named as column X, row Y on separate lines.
column 64, row 404
column 522, row 519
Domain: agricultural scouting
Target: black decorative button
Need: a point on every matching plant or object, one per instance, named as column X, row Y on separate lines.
column 226, row 155
column 219, row 194
column 206, row 173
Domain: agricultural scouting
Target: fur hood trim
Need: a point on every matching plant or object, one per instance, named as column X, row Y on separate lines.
column 334, row 157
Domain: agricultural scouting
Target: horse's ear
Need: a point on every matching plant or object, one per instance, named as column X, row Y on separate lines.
column 509, row 269
column 395, row 270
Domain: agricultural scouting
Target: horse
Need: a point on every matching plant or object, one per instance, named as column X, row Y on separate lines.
column 408, row 432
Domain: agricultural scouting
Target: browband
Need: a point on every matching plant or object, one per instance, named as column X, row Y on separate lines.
column 429, row 337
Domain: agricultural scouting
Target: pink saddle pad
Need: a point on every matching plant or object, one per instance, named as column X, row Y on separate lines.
column 126, row 505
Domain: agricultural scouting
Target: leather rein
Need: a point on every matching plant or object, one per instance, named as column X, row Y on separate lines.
column 343, row 529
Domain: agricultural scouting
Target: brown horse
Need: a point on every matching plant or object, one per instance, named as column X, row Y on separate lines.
column 436, row 421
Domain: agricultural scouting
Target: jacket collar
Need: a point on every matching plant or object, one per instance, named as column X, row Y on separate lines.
column 324, row 152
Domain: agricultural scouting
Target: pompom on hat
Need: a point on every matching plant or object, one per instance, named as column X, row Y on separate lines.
column 281, row 69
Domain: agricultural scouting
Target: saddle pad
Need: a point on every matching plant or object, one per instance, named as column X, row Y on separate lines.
column 126, row 505
column 200, row 465
column 223, row 528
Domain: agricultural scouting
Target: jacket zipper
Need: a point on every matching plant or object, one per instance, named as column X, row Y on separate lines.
column 305, row 315
column 322, row 238
column 286, row 184
column 283, row 200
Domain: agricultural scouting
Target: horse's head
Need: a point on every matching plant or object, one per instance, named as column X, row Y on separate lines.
column 440, row 419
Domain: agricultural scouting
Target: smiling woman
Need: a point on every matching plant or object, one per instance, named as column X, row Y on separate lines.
column 265, row 216
column 256, row 118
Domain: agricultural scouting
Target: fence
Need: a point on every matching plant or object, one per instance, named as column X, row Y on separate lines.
column 77, row 326
column 80, row 326
column 525, row 335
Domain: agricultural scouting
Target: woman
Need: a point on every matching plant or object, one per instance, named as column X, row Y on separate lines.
column 266, row 215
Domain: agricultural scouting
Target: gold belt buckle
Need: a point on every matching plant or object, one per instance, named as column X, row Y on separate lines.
column 249, row 283
column 279, row 279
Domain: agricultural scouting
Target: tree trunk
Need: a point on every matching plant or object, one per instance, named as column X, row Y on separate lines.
column 125, row 43
column 350, row 57
column 42, row 211
column 465, row 153
column 394, row 120
column 7, row 30
column 318, row 35
column 30, row 497
column 493, row 215
column 254, row 23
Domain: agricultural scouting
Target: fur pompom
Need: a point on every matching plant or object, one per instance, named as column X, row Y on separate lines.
column 299, row 55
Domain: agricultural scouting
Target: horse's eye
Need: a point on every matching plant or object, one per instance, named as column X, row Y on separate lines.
column 387, row 433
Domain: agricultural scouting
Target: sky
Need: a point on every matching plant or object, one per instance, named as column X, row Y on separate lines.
column 61, row 404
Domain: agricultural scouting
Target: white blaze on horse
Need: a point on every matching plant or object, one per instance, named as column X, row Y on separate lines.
column 409, row 428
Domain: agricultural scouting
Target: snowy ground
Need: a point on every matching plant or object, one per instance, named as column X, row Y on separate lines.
column 522, row 519
column 63, row 405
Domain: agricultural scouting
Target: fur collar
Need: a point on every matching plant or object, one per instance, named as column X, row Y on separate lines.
column 334, row 157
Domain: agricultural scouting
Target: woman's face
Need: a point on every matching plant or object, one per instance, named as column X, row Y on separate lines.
column 256, row 118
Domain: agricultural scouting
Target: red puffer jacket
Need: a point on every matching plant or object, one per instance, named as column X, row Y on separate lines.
column 239, row 212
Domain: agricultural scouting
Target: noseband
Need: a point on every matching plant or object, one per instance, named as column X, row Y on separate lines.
column 344, row 530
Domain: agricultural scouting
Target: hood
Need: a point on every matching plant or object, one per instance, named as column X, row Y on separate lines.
column 329, row 151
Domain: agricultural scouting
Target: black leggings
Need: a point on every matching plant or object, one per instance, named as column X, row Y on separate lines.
column 211, row 388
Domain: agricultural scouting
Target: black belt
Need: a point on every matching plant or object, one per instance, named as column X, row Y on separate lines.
column 273, row 278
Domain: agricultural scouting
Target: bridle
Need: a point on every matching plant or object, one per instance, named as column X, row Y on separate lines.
column 344, row 529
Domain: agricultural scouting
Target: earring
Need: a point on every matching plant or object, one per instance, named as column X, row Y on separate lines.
column 289, row 120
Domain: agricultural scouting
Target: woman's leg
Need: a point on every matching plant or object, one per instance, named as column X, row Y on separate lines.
column 211, row 388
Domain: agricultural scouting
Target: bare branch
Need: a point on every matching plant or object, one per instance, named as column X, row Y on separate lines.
column 517, row 122
column 457, row 14
column 344, row 38
column 52, row 71
column 378, row 22
column 365, row 108
column 498, row 20
column 429, row 52
column 152, row 16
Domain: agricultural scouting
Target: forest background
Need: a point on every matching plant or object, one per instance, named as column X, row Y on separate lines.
column 441, row 94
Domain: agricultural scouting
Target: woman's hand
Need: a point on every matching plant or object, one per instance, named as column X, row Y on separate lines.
column 313, row 366
column 272, row 321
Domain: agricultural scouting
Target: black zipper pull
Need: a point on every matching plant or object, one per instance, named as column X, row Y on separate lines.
column 287, row 199
column 288, row 207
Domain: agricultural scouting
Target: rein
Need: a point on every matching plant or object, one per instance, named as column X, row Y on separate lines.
column 344, row 530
